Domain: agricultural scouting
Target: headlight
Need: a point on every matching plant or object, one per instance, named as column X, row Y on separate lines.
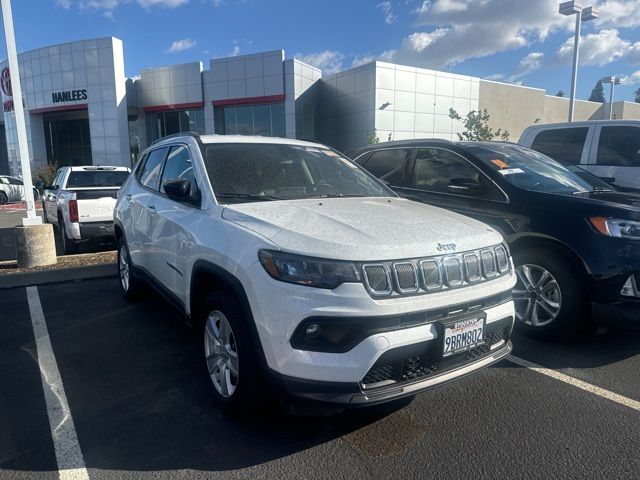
column 312, row 272
column 614, row 227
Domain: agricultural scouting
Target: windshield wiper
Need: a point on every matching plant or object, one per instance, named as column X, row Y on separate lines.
column 341, row 195
column 247, row 196
column 595, row 190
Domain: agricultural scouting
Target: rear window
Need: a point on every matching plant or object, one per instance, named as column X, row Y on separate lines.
column 562, row 144
column 96, row 178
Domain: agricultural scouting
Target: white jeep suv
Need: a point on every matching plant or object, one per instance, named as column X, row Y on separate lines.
column 305, row 273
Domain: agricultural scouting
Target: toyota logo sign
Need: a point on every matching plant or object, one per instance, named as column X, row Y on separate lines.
column 5, row 82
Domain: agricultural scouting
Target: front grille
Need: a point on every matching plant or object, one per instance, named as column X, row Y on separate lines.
column 377, row 279
column 416, row 276
column 417, row 362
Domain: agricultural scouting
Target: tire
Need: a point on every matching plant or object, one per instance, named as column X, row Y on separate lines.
column 3, row 198
column 69, row 246
column 45, row 218
column 557, row 303
column 130, row 285
column 230, row 358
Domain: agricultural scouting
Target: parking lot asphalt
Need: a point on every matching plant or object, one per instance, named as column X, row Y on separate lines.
column 141, row 406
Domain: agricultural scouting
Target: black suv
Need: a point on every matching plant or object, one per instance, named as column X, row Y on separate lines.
column 575, row 239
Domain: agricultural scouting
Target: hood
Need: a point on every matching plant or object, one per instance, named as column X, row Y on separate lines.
column 361, row 229
column 619, row 204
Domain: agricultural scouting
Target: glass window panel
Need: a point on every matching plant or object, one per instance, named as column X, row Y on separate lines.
column 277, row 120
column 218, row 120
column 200, row 120
column 435, row 168
column 619, row 146
column 150, row 173
column 177, row 166
column 172, row 122
column 262, row 120
column 562, row 144
column 244, row 115
column 230, row 125
column 389, row 165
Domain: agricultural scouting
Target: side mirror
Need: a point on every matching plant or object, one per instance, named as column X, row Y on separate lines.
column 40, row 185
column 608, row 179
column 179, row 189
column 466, row 186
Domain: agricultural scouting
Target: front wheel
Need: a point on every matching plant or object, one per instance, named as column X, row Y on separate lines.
column 550, row 299
column 3, row 198
column 229, row 356
column 129, row 283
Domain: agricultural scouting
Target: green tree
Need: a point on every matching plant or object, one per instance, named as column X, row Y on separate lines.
column 560, row 93
column 636, row 95
column 597, row 94
column 372, row 137
column 476, row 127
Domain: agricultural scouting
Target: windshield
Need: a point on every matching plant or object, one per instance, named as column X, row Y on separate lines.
column 96, row 178
column 532, row 170
column 249, row 172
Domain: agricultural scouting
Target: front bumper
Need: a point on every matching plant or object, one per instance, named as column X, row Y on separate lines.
column 354, row 394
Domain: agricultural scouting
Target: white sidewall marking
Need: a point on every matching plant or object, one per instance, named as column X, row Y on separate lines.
column 587, row 387
column 63, row 431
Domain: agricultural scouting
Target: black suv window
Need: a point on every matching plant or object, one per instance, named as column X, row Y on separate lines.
column 435, row 168
column 389, row 165
column 149, row 174
column 178, row 166
column 619, row 147
column 562, row 144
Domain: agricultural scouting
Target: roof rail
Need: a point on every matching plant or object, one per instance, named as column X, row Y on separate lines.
column 180, row 134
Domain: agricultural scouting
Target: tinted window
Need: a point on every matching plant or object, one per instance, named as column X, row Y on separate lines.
column 14, row 181
column 619, row 147
column 531, row 170
column 152, row 168
column 389, row 165
column 435, row 168
column 178, row 165
column 249, row 172
column 562, row 144
column 84, row 179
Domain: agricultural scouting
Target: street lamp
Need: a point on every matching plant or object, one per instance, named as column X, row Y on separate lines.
column 613, row 81
column 582, row 15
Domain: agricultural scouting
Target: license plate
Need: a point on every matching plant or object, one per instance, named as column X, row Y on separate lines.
column 463, row 335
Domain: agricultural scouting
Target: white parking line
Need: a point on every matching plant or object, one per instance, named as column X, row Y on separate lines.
column 601, row 392
column 63, row 431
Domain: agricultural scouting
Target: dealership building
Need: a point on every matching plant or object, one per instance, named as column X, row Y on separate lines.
column 81, row 109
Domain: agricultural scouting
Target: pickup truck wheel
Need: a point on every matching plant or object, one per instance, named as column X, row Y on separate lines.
column 3, row 198
column 69, row 246
column 129, row 283
column 229, row 356
column 549, row 298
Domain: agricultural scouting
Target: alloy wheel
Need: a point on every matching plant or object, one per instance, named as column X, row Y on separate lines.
column 123, row 266
column 221, row 353
column 537, row 296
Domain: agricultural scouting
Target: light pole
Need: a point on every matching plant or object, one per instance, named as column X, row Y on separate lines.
column 582, row 15
column 613, row 81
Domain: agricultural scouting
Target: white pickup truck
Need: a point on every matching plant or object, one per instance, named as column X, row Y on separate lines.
column 80, row 203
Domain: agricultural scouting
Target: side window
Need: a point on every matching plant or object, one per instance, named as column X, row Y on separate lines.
column 4, row 180
column 435, row 169
column 562, row 144
column 389, row 165
column 619, row 147
column 15, row 181
column 149, row 174
column 57, row 180
column 178, row 165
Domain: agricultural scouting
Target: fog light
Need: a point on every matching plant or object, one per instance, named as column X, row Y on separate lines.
column 312, row 330
column 630, row 288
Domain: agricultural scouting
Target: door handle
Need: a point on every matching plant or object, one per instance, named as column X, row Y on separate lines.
column 152, row 209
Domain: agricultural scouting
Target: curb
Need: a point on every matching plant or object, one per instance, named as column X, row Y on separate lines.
column 61, row 275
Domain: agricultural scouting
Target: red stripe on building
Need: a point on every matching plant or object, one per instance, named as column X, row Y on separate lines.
column 249, row 100
column 176, row 106
column 61, row 108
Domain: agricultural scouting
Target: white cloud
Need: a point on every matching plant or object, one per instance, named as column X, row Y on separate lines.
column 387, row 9
column 457, row 30
column 631, row 79
column 66, row 4
column 329, row 61
column 181, row 45
column 235, row 51
column 496, row 77
column 618, row 14
column 108, row 6
column 162, row 3
column 528, row 64
column 633, row 54
column 363, row 59
column 598, row 48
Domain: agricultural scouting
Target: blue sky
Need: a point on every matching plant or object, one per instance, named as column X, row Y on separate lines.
column 523, row 41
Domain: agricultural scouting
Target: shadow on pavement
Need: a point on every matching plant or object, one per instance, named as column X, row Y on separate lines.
column 139, row 394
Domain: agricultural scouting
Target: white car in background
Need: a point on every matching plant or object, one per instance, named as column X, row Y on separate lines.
column 12, row 190
column 304, row 272
column 80, row 203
